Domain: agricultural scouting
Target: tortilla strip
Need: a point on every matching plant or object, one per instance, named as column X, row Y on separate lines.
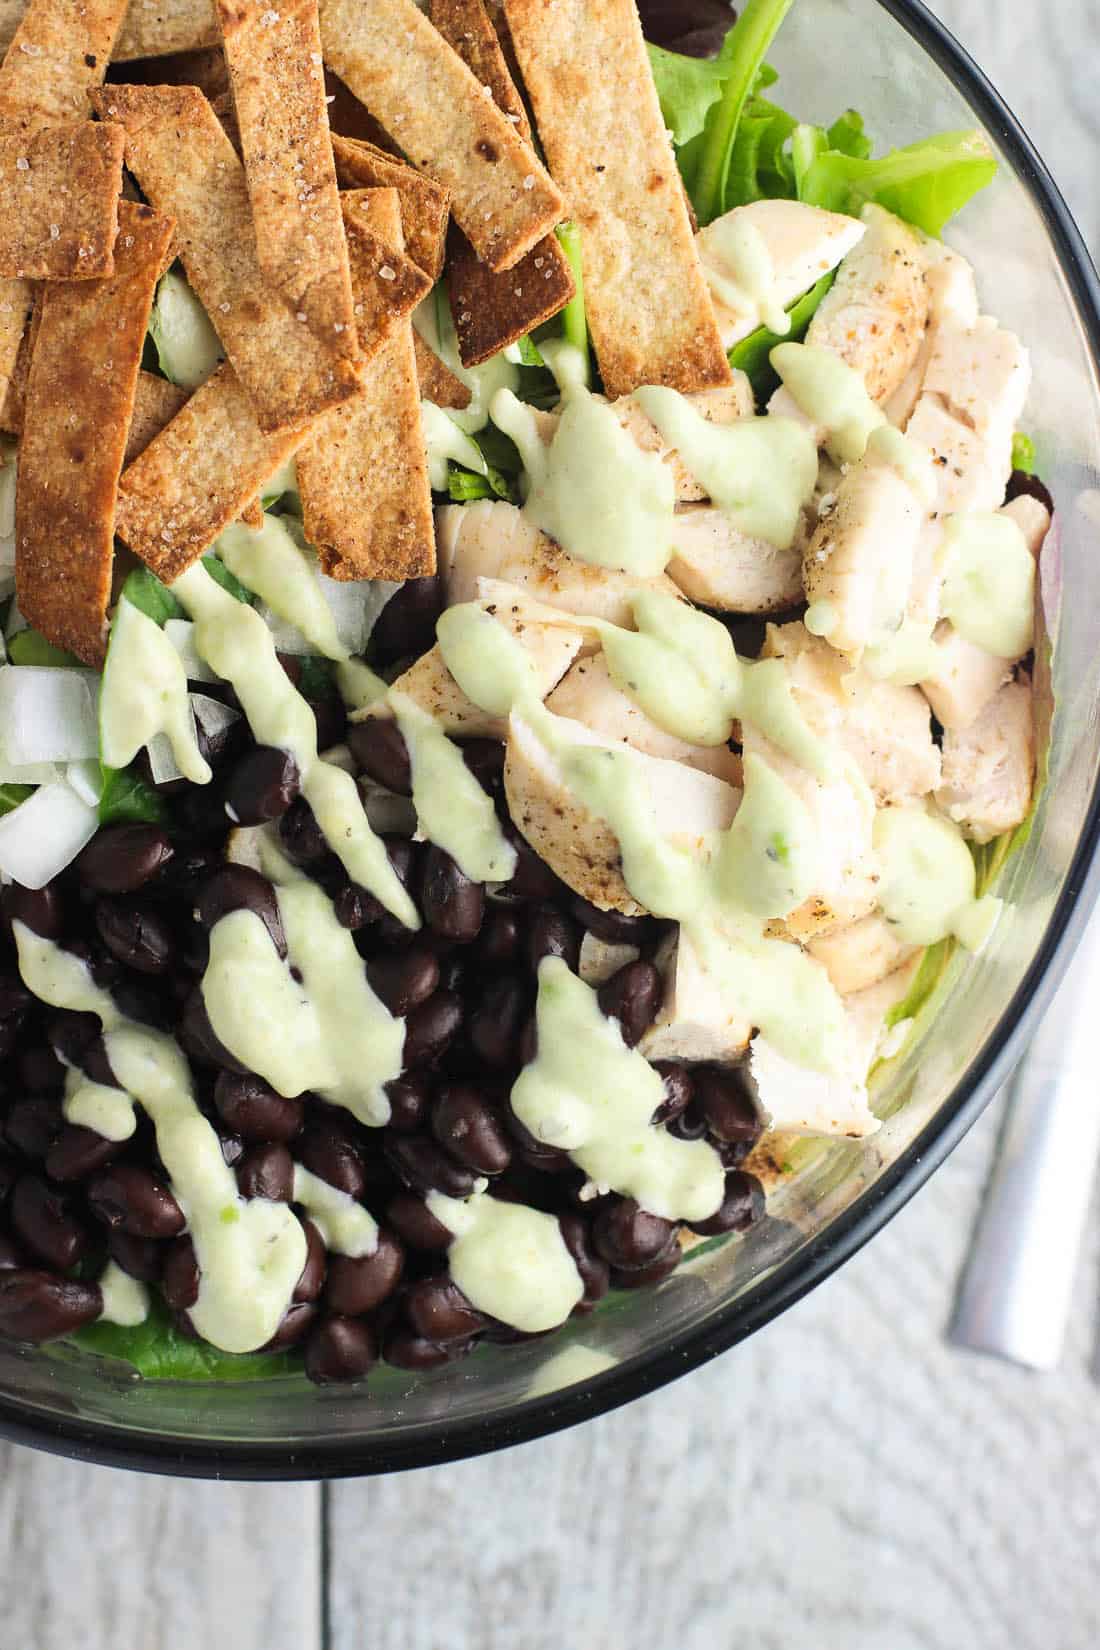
column 389, row 285
column 14, row 402
column 16, row 303
column 197, row 475
column 347, row 116
column 80, row 395
column 58, row 53
column 156, row 403
column 425, row 207
column 492, row 311
column 159, row 28
column 605, row 140
column 427, row 99
column 187, row 166
column 204, row 68
column 253, row 514
column 437, row 382
column 60, row 187
column 363, row 475
column 278, row 87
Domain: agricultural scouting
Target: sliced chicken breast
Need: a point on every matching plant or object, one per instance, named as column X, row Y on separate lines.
column 965, row 679
column 861, row 954
column 875, row 316
column 989, row 767
column 696, row 1020
column 952, row 298
column 1032, row 518
column 717, row 565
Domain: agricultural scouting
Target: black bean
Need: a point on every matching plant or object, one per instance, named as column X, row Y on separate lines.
column 532, row 877
column 645, row 1277
column 120, row 859
column 741, row 1206
column 408, row 1097
column 180, row 1275
column 301, row 837
column 332, row 721
column 331, row 1156
column 404, row 979
column 421, row 1166
column 466, row 1125
column 378, row 748
column 485, row 760
column 95, row 1064
column 15, row 999
column 32, row 1125
column 297, row 1322
column 431, row 1028
column 9, row 1037
column 453, row 904
column 534, row 1152
column 139, row 1001
column 232, row 1147
column 11, row 1257
column 628, row 1237
column 696, row 29
column 187, row 872
column 729, row 1109
column 455, row 966
column 262, row 786
column 78, row 1152
column 691, row 1124
column 632, row 996
column 198, row 1039
column 497, row 1020
column 594, row 1270
column 240, row 888
column 312, row 1280
column 130, row 1196
column 404, row 1350
column 415, row 1224
column 142, row 1258
column 551, row 933
column 267, row 1171
column 613, row 926
column 498, row 943
column 357, row 1284
column 406, row 625
column 340, row 1349
column 42, row 1219
column 1020, row 483
column 252, row 1109
column 528, row 1041
column 9, row 1174
column 39, row 909
column 36, row 1306
column 292, row 667
column 136, row 934
column 41, row 1071
column 678, row 1090
column 355, row 907
column 438, row 1311
column 70, row 1033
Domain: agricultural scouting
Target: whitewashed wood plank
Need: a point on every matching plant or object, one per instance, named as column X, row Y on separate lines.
column 96, row 1559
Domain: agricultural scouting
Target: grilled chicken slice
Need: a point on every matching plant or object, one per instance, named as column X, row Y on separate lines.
column 875, row 316
column 802, row 242
column 861, row 954
column 965, row 679
column 952, row 300
column 717, row 565
column 696, row 1020
column 587, row 694
column 989, row 767
column 970, row 404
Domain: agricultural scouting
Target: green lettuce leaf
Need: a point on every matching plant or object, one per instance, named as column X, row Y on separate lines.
column 760, row 168
column 151, row 597
column 686, row 88
column 925, row 183
column 220, row 573
column 317, row 679
column 1024, row 456
column 157, row 1350
column 847, row 135
column 753, row 353
column 27, row 647
column 126, row 799
column 742, row 58
column 12, row 795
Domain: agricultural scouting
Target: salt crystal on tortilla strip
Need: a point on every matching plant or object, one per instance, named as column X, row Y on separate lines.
column 60, row 188
column 158, row 28
column 467, row 26
column 425, row 206
column 363, row 476
column 437, row 382
column 434, row 108
column 389, row 285
column 156, row 403
column 278, row 91
column 80, row 395
column 187, row 166
column 58, row 53
column 197, row 475
column 586, row 72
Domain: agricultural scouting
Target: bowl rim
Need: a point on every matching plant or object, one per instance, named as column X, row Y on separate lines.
column 438, row 1441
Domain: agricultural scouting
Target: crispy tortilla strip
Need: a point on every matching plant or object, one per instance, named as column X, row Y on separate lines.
column 347, row 116
column 187, row 166
column 363, row 475
column 388, row 285
column 466, row 25
column 204, row 68
column 58, row 53
column 159, row 28
column 156, row 403
column 80, row 395
column 437, row 382
column 389, row 55
column 197, row 475
column 15, row 397
column 278, row 87
column 16, row 302
column 425, row 207
column 647, row 301
column 60, row 188
column 253, row 514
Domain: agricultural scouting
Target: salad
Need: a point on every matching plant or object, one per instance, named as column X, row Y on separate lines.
column 522, row 660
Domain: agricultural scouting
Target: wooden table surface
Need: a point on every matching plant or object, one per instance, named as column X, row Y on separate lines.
column 844, row 1481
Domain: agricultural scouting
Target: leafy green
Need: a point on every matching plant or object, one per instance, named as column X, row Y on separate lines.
column 157, row 1350
column 574, row 326
column 27, row 647
column 465, row 486
column 220, row 573
column 925, row 183
column 1024, row 456
column 529, row 354
column 126, row 799
column 848, row 136
column 741, row 57
column 12, row 795
column 753, row 353
column 686, row 87
column 151, row 597
column 317, row 680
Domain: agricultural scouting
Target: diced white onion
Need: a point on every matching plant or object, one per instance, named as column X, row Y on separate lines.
column 212, row 716
column 162, row 760
column 44, row 834
column 181, row 634
column 27, row 773
column 86, row 779
column 356, row 605
column 387, row 813
column 48, row 714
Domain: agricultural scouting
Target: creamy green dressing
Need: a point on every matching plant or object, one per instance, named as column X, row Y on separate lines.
column 760, row 471
column 327, row 1033
column 452, row 810
column 509, row 1260
column 234, row 640
column 444, row 440
column 109, row 1111
column 749, row 289
column 359, row 686
column 989, row 583
column 125, row 1300
column 832, row 395
column 250, row 1252
column 276, row 569
column 143, row 694
column 927, row 883
column 345, row 1226
column 433, row 321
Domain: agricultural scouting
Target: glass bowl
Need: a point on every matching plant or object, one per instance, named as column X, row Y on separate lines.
column 909, row 78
